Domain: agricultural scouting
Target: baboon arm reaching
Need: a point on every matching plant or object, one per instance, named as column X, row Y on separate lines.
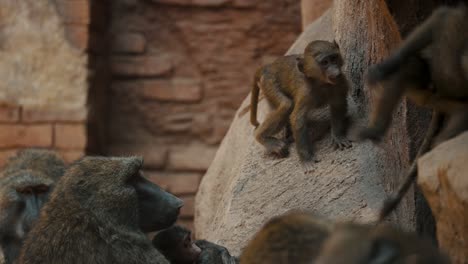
column 339, row 122
column 419, row 39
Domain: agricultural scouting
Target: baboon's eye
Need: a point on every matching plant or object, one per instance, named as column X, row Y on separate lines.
column 324, row 62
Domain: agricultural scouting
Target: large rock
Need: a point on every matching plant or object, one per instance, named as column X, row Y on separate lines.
column 243, row 188
column 443, row 177
column 313, row 9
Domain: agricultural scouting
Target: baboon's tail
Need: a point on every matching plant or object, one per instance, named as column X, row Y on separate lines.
column 254, row 100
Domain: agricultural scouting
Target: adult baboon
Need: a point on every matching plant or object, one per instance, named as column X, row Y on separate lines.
column 25, row 184
column 98, row 213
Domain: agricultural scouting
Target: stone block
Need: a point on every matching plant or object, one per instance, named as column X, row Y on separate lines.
column 129, row 43
column 173, row 2
column 77, row 35
column 5, row 155
column 9, row 114
column 176, row 183
column 70, row 156
column 34, row 114
column 155, row 156
column 70, row 136
column 195, row 157
column 188, row 209
column 177, row 90
column 443, row 178
column 74, row 11
column 210, row 2
column 16, row 136
column 141, row 66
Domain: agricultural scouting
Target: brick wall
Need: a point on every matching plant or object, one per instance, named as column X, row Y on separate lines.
column 180, row 69
column 28, row 118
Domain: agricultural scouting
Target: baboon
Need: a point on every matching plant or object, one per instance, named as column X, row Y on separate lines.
column 98, row 213
column 295, row 84
column 430, row 68
column 25, row 184
column 351, row 243
column 300, row 237
column 294, row 237
column 176, row 245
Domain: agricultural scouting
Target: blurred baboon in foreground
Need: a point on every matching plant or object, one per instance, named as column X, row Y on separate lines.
column 25, row 184
column 299, row 237
column 98, row 213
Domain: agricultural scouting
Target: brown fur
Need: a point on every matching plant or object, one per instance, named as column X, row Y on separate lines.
column 92, row 217
column 293, row 85
column 25, row 184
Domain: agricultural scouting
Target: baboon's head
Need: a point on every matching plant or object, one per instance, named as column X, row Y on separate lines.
column 322, row 61
column 114, row 190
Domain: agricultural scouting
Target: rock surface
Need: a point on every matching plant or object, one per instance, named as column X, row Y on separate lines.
column 443, row 177
column 243, row 188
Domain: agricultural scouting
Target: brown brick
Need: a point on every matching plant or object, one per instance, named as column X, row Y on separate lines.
column 155, row 156
column 70, row 136
column 5, row 155
column 9, row 114
column 178, row 90
column 174, row 2
column 188, row 209
column 187, row 223
column 78, row 36
column 33, row 114
column 129, row 43
column 142, row 66
column 14, row 136
column 74, row 11
column 210, row 2
column 176, row 183
column 71, row 155
column 195, row 157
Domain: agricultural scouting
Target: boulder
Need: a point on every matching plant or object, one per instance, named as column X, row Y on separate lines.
column 243, row 188
column 443, row 178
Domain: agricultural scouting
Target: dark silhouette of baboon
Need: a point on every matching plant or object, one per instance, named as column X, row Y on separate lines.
column 98, row 213
column 25, row 184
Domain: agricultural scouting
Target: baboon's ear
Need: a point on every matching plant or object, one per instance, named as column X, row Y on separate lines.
column 300, row 64
column 336, row 44
column 382, row 251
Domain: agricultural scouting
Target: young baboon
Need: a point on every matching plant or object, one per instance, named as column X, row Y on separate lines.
column 98, row 213
column 300, row 237
column 294, row 237
column 295, row 84
column 430, row 69
column 176, row 245
column 25, row 185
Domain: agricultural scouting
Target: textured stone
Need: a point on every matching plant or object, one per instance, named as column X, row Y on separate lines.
column 9, row 114
column 176, row 183
column 15, row 136
column 443, row 178
column 245, row 3
column 74, row 11
column 129, row 43
column 70, row 136
column 243, row 188
column 34, row 114
column 78, row 35
column 155, row 156
column 313, row 9
column 178, row 89
column 142, row 66
column 210, row 2
column 173, row 2
column 192, row 157
column 70, row 156
column 188, row 209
